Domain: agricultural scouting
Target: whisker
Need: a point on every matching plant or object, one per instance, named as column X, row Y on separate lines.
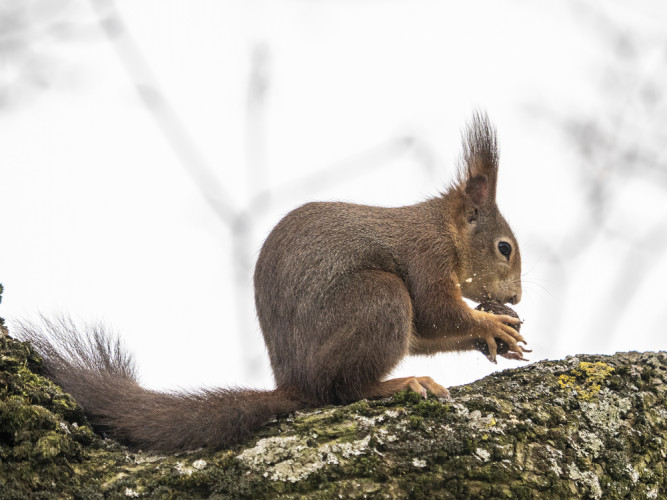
column 541, row 287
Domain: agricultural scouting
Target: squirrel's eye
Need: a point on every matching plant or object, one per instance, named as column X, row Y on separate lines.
column 505, row 248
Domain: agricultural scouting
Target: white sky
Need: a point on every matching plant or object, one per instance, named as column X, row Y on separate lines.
column 100, row 220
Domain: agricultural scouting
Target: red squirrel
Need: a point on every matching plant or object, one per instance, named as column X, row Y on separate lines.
column 343, row 292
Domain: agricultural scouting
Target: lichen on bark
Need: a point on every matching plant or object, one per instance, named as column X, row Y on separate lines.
column 583, row 427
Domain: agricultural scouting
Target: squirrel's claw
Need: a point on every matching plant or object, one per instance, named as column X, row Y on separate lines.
column 493, row 349
column 514, row 356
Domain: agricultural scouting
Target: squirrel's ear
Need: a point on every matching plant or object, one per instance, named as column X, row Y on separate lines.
column 479, row 166
column 477, row 189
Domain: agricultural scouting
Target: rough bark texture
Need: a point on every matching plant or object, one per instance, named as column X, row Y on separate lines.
column 583, row 427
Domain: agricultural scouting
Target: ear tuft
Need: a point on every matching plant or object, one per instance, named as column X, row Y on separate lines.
column 478, row 171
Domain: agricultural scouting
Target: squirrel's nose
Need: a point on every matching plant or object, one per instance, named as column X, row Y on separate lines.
column 514, row 299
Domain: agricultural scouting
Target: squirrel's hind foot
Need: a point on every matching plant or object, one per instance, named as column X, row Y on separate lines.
column 420, row 385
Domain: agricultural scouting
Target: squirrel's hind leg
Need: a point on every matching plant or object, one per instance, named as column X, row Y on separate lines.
column 370, row 334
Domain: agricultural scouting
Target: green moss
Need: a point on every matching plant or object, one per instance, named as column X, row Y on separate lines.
column 431, row 408
column 326, row 427
column 416, row 422
column 361, row 408
column 406, row 397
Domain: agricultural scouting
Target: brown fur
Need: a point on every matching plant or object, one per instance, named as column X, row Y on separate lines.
column 343, row 292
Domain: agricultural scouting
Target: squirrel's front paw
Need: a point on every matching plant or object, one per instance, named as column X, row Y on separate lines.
column 499, row 332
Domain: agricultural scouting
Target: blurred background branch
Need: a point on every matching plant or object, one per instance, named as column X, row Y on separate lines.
column 29, row 34
column 163, row 113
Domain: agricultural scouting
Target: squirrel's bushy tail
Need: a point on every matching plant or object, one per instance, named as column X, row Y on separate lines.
column 92, row 366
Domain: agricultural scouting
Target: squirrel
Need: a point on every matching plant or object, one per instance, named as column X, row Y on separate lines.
column 343, row 292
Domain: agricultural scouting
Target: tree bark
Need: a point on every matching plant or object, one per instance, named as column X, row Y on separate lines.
column 583, row 427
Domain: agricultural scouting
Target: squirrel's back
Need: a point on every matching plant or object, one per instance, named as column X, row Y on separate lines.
column 318, row 243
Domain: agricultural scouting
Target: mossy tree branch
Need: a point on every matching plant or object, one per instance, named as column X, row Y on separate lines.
column 583, row 427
